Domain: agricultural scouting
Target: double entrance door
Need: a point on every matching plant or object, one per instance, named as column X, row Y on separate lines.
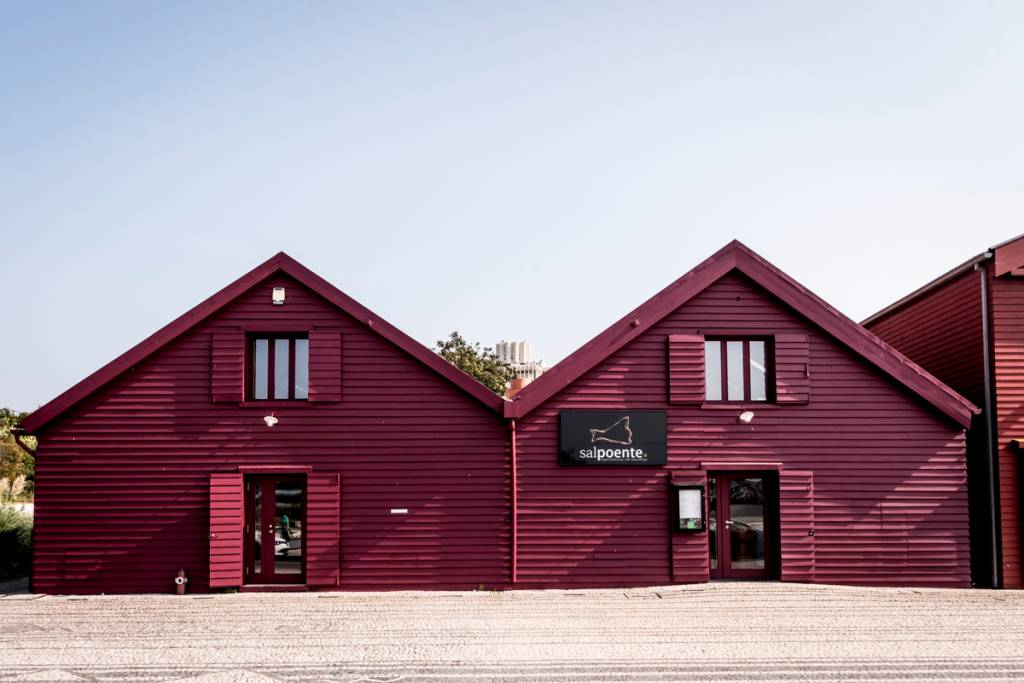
column 742, row 525
column 275, row 517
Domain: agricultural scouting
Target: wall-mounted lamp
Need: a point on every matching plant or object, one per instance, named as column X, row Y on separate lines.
column 270, row 420
column 277, row 297
column 746, row 417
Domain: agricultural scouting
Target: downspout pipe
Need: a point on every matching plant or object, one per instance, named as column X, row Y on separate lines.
column 990, row 420
column 18, row 433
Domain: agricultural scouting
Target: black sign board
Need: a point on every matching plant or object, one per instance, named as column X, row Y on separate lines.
column 609, row 437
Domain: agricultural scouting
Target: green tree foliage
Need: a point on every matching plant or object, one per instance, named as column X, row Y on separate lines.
column 14, row 462
column 481, row 363
column 15, row 543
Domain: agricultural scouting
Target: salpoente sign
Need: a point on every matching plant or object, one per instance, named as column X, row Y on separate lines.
column 605, row 437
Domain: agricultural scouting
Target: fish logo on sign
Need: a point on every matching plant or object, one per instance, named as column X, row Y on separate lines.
column 618, row 433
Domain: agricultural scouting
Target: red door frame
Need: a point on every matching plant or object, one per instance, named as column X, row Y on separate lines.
column 267, row 483
column 724, row 570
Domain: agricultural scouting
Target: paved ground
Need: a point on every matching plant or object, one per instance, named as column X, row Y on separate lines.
column 720, row 632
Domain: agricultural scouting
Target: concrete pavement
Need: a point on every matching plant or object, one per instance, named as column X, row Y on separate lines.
column 720, row 632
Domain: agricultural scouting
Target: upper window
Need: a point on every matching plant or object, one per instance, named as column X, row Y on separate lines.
column 279, row 367
column 737, row 369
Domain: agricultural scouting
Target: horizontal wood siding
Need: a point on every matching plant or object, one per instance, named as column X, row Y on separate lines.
column 691, row 562
column 889, row 478
column 686, row 369
column 1007, row 302
column 325, row 365
column 796, row 522
column 227, row 519
column 792, row 369
column 941, row 331
column 123, row 478
column 227, row 354
column 323, row 535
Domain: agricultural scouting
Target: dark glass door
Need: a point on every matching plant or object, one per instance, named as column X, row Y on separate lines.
column 741, row 533
column 274, row 521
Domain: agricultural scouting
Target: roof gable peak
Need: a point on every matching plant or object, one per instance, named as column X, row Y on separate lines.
column 279, row 262
column 737, row 256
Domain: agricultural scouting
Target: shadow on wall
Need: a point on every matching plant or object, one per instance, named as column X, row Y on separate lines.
column 913, row 534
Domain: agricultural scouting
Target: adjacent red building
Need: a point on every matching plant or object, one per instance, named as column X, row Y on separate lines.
column 967, row 328
column 280, row 435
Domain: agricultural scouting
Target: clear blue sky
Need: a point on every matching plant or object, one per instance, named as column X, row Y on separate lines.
column 522, row 170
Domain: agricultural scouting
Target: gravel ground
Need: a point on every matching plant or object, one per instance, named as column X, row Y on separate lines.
column 719, row 632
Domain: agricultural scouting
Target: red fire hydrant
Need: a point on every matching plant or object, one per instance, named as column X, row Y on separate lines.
column 180, row 580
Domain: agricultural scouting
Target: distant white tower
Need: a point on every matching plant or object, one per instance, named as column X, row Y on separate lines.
column 519, row 355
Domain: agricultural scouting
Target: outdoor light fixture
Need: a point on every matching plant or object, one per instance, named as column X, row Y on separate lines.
column 746, row 417
column 270, row 420
column 277, row 298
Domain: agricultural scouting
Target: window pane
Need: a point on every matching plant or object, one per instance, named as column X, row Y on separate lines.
column 281, row 367
column 260, row 365
column 734, row 369
column 758, row 372
column 713, row 370
column 288, row 527
column 301, row 368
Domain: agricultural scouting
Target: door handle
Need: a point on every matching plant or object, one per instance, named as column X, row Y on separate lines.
column 728, row 522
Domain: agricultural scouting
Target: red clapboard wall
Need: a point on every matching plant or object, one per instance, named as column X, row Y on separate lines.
column 941, row 331
column 126, row 477
column 685, row 368
column 691, row 562
column 796, row 522
column 227, row 518
column 323, row 532
column 876, row 473
column 1007, row 307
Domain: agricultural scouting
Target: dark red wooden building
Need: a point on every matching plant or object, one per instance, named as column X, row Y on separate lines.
column 823, row 455
column 967, row 328
column 279, row 433
column 386, row 468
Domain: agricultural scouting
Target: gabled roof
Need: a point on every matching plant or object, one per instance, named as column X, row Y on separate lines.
column 281, row 263
column 738, row 257
column 1009, row 258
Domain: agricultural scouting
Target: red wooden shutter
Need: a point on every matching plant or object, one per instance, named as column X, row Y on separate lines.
column 323, row 530
column 324, row 365
column 686, row 368
column 792, row 368
column 227, row 520
column 227, row 374
column 796, row 518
